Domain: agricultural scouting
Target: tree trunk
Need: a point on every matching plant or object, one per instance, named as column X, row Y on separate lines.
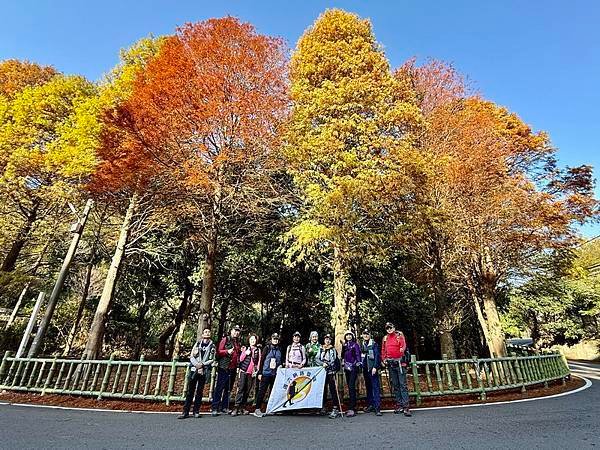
column 183, row 313
column 445, row 319
column 339, row 314
column 32, row 272
column 447, row 344
column 208, row 284
column 10, row 260
column 80, row 308
column 170, row 333
column 496, row 341
column 141, row 330
column 223, row 316
column 96, row 334
column 162, row 341
column 476, row 296
column 60, row 280
column 179, row 336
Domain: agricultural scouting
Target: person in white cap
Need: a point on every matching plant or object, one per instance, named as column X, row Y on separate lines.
column 312, row 349
column 295, row 356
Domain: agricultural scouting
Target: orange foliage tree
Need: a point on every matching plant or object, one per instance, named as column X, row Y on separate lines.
column 492, row 198
column 205, row 113
column 16, row 75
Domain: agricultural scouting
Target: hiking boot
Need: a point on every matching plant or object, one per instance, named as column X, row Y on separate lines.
column 378, row 413
column 369, row 409
column 334, row 414
column 407, row 412
column 196, row 415
column 215, row 413
column 258, row 413
column 350, row 413
column 183, row 416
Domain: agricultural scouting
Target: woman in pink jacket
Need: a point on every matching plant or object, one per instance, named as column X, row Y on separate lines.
column 247, row 370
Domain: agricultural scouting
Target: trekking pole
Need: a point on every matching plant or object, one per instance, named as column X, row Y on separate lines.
column 338, row 394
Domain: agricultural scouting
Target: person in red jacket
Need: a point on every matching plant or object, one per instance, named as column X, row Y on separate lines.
column 228, row 357
column 393, row 347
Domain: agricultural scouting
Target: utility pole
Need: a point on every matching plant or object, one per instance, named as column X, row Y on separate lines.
column 30, row 324
column 77, row 230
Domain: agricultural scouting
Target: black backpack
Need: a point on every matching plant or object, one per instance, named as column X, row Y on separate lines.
column 406, row 357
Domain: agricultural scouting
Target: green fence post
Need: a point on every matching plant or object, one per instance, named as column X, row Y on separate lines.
column 448, row 373
column 519, row 373
column 138, row 376
column 95, row 379
column 479, row 380
column 468, row 376
column 25, row 372
column 40, row 374
column 428, row 376
column 49, row 376
column 106, row 377
column 10, row 372
column 127, row 378
column 438, row 377
column 147, row 383
column 32, row 374
column 158, row 381
column 4, row 365
column 415, row 372
column 171, row 381
column 565, row 365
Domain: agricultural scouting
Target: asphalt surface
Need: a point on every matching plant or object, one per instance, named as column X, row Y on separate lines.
column 571, row 421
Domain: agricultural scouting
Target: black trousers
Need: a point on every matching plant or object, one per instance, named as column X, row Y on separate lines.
column 195, row 388
column 351, row 376
column 222, row 389
column 245, row 386
column 266, row 382
column 330, row 385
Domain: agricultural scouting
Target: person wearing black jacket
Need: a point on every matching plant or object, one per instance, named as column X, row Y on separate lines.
column 271, row 359
column 371, row 363
column 328, row 358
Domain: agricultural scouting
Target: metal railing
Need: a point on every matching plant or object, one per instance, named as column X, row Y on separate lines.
column 168, row 381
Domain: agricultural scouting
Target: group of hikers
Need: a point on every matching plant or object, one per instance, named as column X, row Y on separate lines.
column 254, row 366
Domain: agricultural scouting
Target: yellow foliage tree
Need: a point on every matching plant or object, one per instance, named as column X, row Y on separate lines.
column 42, row 159
column 349, row 137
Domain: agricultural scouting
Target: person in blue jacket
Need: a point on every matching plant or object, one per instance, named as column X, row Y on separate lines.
column 371, row 362
column 271, row 359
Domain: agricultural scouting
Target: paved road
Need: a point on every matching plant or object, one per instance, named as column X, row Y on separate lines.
column 571, row 421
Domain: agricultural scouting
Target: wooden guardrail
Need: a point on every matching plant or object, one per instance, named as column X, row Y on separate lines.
column 167, row 381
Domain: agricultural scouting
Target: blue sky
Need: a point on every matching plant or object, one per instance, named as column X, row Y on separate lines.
column 540, row 59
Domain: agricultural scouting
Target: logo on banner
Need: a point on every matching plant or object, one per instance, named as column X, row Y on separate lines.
column 298, row 385
column 297, row 389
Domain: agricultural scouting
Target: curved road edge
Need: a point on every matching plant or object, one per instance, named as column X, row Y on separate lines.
column 578, row 372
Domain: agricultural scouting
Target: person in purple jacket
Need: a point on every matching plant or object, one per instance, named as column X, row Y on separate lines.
column 352, row 361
